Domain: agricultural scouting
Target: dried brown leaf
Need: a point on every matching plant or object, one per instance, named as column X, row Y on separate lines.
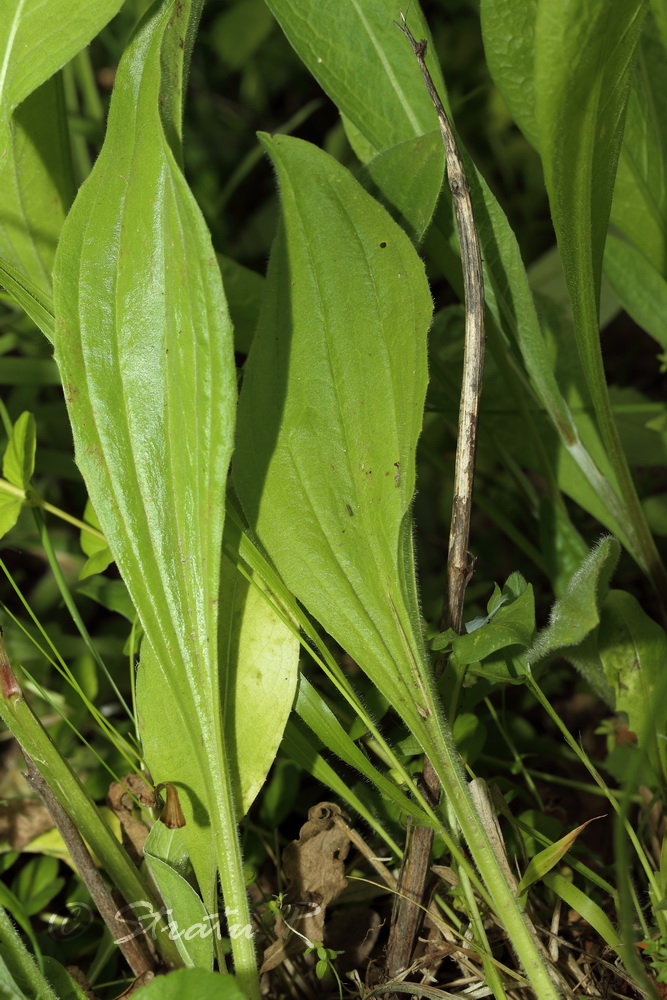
column 314, row 871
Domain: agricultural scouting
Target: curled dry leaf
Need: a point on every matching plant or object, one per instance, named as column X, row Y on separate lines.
column 314, row 871
column 121, row 799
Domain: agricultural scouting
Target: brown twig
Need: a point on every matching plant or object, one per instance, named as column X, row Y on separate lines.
column 407, row 918
column 132, row 947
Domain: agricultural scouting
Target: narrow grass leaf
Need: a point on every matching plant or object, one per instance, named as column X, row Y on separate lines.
column 338, row 365
column 314, row 711
column 585, row 907
column 300, row 746
column 144, row 345
column 547, row 859
column 32, row 299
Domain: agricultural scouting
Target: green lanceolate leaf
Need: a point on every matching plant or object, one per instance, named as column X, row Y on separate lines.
column 583, row 58
column 36, row 39
column 335, row 39
column 36, row 180
column 338, row 364
column 584, row 54
column 258, row 661
column 144, row 345
column 353, row 77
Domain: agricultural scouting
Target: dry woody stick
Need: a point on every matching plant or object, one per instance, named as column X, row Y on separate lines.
column 407, row 919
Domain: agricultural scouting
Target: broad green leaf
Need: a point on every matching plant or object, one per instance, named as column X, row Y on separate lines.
column 496, row 650
column 338, row 366
column 144, row 345
column 258, row 661
column 641, row 289
column 37, row 39
column 37, row 883
column 111, row 594
column 547, row 859
column 259, row 658
column 335, row 39
column 632, row 652
column 655, row 508
column 190, row 925
column 577, row 612
column 407, row 179
column 353, row 76
column 10, row 508
column 30, row 297
column 512, row 624
column 36, row 183
column 18, row 463
column 585, row 906
column 508, row 30
column 639, row 208
column 191, row 984
column 584, row 52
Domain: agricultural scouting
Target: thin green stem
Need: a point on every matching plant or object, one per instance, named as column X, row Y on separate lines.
column 61, row 583
column 36, row 501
